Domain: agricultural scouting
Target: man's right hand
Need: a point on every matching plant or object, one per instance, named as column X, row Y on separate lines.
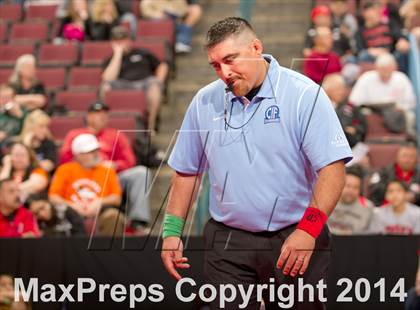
column 172, row 250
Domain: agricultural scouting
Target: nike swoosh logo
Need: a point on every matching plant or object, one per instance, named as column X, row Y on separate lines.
column 217, row 118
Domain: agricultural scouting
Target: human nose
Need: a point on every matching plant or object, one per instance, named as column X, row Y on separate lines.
column 226, row 71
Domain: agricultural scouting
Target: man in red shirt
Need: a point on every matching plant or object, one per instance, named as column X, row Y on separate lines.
column 322, row 60
column 15, row 220
column 116, row 152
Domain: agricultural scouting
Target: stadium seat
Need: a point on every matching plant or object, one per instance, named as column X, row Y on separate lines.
column 5, row 75
column 3, row 32
column 41, row 12
column 377, row 132
column 9, row 53
column 382, row 154
column 85, row 78
column 29, row 32
column 127, row 124
column 156, row 29
column 127, row 100
column 95, row 53
column 10, row 12
column 61, row 125
column 159, row 48
column 75, row 101
column 58, row 55
column 52, row 78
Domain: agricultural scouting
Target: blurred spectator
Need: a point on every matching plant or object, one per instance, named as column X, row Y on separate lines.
column 88, row 186
column 7, row 295
column 104, row 18
column 398, row 217
column 116, row 152
column 125, row 11
column 386, row 85
column 353, row 212
column 29, row 91
column 55, row 221
column 22, row 166
column 404, row 169
column 410, row 12
column 321, row 17
column 321, row 60
column 352, row 120
column 76, row 26
column 11, row 113
column 132, row 68
column 343, row 19
column 15, row 220
column 376, row 37
column 390, row 12
column 36, row 135
column 413, row 299
column 185, row 13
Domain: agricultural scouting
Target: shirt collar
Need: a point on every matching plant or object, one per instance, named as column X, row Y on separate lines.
column 270, row 82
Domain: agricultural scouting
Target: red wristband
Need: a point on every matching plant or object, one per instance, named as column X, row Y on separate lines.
column 313, row 221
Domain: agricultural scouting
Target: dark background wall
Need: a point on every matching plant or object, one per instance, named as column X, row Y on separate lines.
column 137, row 261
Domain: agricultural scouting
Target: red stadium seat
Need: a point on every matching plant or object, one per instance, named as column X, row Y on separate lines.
column 75, row 101
column 10, row 12
column 3, row 32
column 158, row 48
column 156, row 29
column 127, row 100
column 95, row 53
column 382, row 154
column 5, row 75
column 52, row 78
column 9, row 53
column 377, row 132
column 58, row 55
column 127, row 124
column 41, row 12
column 61, row 125
column 29, row 32
column 85, row 78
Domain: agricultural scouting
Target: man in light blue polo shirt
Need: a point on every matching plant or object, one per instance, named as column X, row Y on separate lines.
column 275, row 152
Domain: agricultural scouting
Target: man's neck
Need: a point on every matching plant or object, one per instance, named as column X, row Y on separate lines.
column 399, row 208
column 94, row 130
column 321, row 49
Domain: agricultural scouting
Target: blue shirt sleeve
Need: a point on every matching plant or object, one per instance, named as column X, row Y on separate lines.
column 322, row 138
column 188, row 154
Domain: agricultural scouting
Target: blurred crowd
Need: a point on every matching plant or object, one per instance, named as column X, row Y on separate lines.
column 95, row 179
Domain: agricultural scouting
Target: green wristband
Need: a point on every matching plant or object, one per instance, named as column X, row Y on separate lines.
column 172, row 226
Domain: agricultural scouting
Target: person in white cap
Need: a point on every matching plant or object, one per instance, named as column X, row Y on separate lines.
column 88, row 186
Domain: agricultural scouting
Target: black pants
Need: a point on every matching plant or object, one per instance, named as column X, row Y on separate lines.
column 235, row 256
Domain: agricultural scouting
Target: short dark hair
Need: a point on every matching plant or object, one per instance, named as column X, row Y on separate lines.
column 356, row 171
column 43, row 196
column 370, row 4
column 401, row 183
column 223, row 29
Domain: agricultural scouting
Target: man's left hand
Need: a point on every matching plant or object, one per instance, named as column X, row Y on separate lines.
column 296, row 253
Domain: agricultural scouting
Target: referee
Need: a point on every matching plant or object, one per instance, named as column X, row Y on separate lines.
column 275, row 153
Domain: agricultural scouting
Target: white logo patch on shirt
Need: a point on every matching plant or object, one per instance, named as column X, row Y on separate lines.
column 339, row 140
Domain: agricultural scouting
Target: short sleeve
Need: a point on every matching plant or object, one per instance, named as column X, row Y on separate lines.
column 188, row 154
column 154, row 62
column 322, row 138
